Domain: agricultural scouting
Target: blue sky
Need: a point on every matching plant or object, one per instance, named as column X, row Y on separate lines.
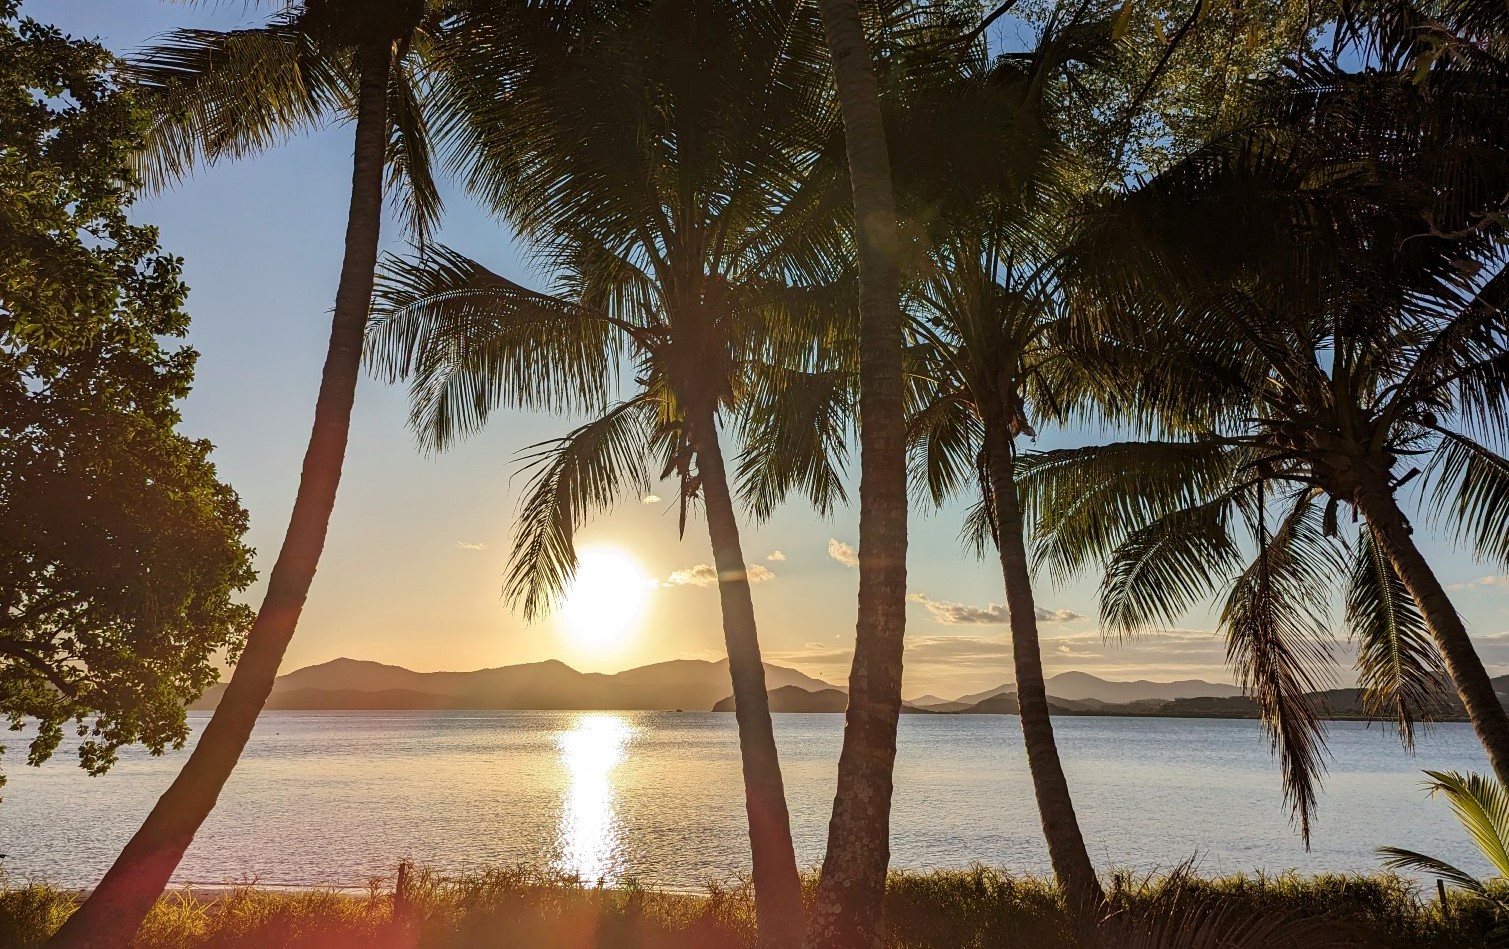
column 412, row 572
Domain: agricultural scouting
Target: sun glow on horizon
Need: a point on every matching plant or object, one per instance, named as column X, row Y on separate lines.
column 607, row 598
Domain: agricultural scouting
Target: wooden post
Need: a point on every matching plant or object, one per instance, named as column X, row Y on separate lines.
column 1441, row 891
column 402, row 898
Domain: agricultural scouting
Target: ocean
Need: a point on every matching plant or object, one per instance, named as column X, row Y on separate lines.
column 336, row 798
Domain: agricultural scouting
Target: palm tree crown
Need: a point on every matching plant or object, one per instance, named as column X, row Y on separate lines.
column 1346, row 324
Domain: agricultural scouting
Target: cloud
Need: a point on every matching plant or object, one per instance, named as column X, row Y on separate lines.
column 1480, row 583
column 842, row 552
column 1057, row 616
column 704, row 575
column 464, row 545
column 959, row 614
column 776, row 555
column 651, row 499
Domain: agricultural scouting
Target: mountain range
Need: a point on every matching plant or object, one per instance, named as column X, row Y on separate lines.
column 690, row 684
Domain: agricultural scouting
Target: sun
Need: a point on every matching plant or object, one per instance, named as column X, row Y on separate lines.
column 606, row 599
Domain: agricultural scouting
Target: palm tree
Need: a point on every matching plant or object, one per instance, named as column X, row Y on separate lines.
column 849, row 908
column 228, row 95
column 1481, row 806
column 673, row 166
column 1348, row 321
column 997, row 350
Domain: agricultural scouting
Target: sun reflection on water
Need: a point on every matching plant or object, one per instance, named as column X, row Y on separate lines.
column 588, row 842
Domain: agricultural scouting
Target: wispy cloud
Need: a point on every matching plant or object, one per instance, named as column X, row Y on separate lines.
column 960, row 614
column 651, row 499
column 466, row 545
column 1481, row 583
column 705, row 575
column 776, row 555
column 842, row 552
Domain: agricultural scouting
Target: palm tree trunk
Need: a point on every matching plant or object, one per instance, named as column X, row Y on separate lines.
column 1066, row 845
column 850, row 906
column 778, row 888
column 1484, row 709
column 116, row 908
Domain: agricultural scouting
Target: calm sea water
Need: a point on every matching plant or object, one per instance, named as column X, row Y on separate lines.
column 331, row 798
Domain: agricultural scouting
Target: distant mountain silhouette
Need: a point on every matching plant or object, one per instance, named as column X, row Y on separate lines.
column 1336, row 704
column 358, row 684
column 790, row 698
column 1081, row 686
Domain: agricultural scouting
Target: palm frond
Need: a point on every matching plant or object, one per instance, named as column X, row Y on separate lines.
column 1398, row 667
column 1481, row 805
column 1397, row 858
column 1085, row 501
column 1277, row 636
column 945, row 437
column 225, row 95
column 978, row 531
column 411, row 179
column 1162, row 569
column 574, row 477
column 1468, row 487
column 470, row 341
column 794, row 429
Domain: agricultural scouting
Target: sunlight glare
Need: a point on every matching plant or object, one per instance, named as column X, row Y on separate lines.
column 589, row 845
column 607, row 597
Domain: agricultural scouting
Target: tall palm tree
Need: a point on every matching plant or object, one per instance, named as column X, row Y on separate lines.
column 997, row 349
column 675, row 165
column 223, row 95
column 1349, row 321
column 849, row 909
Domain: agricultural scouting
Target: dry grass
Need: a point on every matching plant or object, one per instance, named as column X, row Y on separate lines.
column 972, row 909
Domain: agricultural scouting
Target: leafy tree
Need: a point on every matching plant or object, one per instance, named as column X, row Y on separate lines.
column 227, row 95
column 1184, row 72
column 672, row 163
column 120, row 551
column 1348, row 321
column 67, row 250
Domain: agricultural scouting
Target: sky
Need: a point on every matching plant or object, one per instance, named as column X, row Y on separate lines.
column 412, row 572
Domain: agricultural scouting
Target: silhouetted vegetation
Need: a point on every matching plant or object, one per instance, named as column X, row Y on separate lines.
column 969, row 909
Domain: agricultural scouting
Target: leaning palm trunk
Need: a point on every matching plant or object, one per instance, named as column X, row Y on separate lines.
column 116, row 908
column 778, row 889
column 1066, row 845
column 1484, row 709
column 849, row 911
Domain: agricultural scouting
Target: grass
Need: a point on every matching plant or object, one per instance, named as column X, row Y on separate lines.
column 970, row 909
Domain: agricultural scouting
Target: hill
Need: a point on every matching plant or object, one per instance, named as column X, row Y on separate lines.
column 1333, row 704
column 790, row 698
column 1083, row 687
column 358, row 684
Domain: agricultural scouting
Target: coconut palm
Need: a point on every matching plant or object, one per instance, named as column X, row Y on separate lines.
column 1348, row 322
column 849, row 907
column 997, row 349
column 226, row 95
column 674, row 166
column 1481, row 806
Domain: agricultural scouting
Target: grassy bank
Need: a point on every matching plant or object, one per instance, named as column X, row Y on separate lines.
column 976, row 909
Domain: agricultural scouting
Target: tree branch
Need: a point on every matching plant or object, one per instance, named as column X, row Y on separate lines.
column 22, row 651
